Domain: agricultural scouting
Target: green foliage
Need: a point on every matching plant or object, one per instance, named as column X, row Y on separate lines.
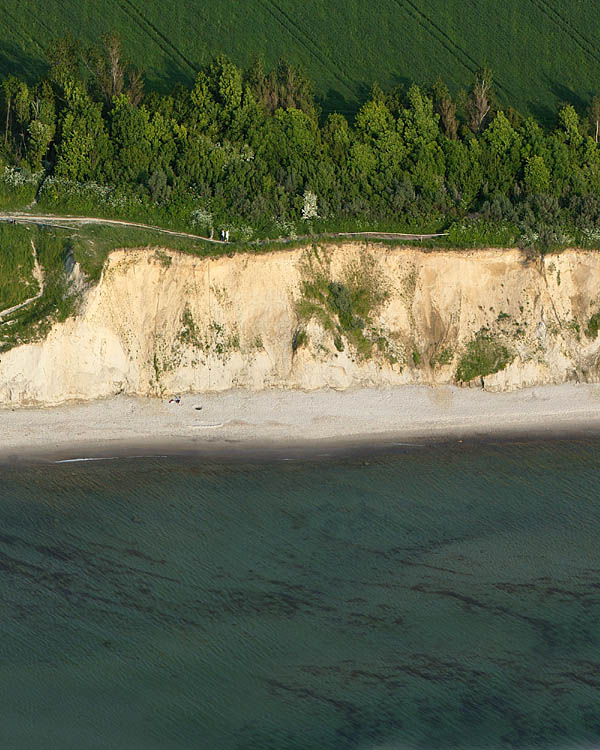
column 501, row 157
column 189, row 333
column 163, row 258
column 16, row 266
column 18, row 187
column 441, row 358
column 299, row 339
column 483, row 356
column 343, row 307
column 593, row 326
column 246, row 151
column 537, row 175
column 341, row 302
column 34, row 320
column 574, row 326
column 83, row 142
column 481, row 233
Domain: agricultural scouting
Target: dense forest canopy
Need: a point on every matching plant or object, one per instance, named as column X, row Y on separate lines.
column 250, row 149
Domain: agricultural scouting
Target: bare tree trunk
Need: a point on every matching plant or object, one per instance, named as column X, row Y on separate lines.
column 480, row 100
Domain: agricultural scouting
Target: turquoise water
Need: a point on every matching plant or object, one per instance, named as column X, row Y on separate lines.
column 442, row 597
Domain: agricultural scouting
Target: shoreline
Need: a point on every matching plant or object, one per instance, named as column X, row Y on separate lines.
column 294, row 424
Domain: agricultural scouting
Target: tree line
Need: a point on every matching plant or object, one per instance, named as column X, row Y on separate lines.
column 252, row 148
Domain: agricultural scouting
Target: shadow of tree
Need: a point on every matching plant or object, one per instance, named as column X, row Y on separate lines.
column 546, row 114
column 170, row 73
column 334, row 101
column 543, row 113
column 566, row 95
column 17, row 61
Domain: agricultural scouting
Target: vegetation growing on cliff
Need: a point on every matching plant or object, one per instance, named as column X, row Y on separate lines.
column 250, row 150
column 345, row 306
column 16, row 266
column 484, row 355
column 593, row 326
column 442, row 357
column 58, row 249
column 33, row 321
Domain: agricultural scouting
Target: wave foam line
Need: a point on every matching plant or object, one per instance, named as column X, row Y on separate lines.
column 105, row 458
column 75, row 460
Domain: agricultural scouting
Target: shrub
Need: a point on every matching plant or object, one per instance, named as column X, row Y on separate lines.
column 18, row 187
column 344, row 306
column 593, row 326
column 309, row 209
column 300, row 338
column 483, row 356
column 444, row 357
column 341, row 302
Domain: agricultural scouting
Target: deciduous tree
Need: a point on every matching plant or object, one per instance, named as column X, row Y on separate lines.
column 445, row 108
column 111, row 71
column 479, row 101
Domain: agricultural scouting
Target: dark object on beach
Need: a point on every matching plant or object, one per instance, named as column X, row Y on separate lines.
column 175, row 400
column 198, row 408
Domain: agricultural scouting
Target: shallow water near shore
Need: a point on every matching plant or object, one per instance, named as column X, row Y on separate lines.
column 437, row 597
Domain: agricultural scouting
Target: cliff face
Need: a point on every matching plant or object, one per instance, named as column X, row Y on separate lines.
column 352, row 315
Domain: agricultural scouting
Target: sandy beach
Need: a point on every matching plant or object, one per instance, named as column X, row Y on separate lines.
column 283, row 421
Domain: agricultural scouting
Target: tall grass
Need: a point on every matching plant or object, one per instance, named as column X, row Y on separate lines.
column 16, row 265
column 34, row 320
column 91, row 244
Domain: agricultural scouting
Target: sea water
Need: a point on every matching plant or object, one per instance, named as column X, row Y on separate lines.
column 432, row 597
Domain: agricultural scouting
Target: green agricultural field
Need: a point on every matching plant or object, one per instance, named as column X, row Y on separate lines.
column 543, row 52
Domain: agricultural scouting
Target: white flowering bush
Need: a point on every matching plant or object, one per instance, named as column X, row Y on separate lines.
column 286, row 229
column 18, row 187
column 546, row 238
column 16, row 177
column 565, row 239
column 591, row 236
column 227, row 154
column 201, row 217
column 244, row 233
column 528, row 239
column 309, row 209
column 86, row 194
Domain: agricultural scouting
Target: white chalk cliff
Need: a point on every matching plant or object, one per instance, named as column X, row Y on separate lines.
column 162, row 322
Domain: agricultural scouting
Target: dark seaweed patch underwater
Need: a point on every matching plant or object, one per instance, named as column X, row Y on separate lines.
column 444, row 597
